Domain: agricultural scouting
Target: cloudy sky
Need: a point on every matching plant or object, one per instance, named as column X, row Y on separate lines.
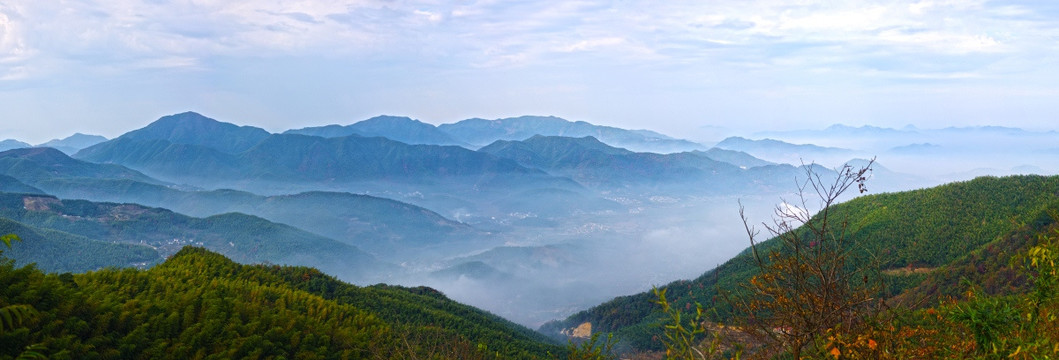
column 109, row 66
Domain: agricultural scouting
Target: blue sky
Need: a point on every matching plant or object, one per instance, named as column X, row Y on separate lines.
column 106, row 67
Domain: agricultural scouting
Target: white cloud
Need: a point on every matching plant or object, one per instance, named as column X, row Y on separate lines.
column 591, row 44
column 474, row 32
column 943, row 42
column 675, row 54
column 12, row 45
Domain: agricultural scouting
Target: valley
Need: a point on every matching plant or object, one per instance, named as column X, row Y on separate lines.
column 532, row 219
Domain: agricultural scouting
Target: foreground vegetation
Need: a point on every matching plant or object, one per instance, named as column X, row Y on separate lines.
column 926, row 273
column 966, row 270
column 818, row 294
column 199, row 304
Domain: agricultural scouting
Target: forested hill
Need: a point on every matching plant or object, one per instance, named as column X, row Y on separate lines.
column 923, row 242
column 199, row 304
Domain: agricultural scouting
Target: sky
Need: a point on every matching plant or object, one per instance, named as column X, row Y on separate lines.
column 674, row 66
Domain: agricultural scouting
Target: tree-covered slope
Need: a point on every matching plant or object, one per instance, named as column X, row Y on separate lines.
column 943, row 230
column 59, row 251
column 199, row 304
column 13, row 185
column 161, row 157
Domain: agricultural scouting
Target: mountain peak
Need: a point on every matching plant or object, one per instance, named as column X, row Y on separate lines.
column 390, row 119
column 398, row 128
column 12, row 144
column 73, row 143
column 184, row 119
column 389, row 124
column 191, row 128
column 43, row 154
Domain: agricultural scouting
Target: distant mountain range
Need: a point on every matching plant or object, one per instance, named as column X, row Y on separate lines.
column 69, row 145
column 591, row 162
column 476, row 133
column 12, row 144
column 382, row 226
column 74, row 143
column 783, row 152
column 197, row 149
column 481, row 132
column 448, row 178
column 397, row 128
column 878, row 139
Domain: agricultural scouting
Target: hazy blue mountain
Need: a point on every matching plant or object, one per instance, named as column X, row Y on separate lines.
column 480, row 132
column 365, row 158
column 590, row 161
column 444, row 178
column 921, row 148
column 779, row 151
column 520, row 259
column 194, row 156
column 1030, row 169
column 9, row 144
column 594, row 163
column 161, row 158
column 840, row 130
column 30, row 165
column 388, row 228
column 383, row 226
column 879, row 140
column 397, row 128
column 989, row 129
column 245, row 238
column 190, row 128
column 737, row 158
column 884, row 179
column 549, row 152
column 74, row 143
column 770, row 145
column 475, row 270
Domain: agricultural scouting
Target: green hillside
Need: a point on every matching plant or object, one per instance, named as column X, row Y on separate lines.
column 199, row 304
column 924, row 241
column 59, row 251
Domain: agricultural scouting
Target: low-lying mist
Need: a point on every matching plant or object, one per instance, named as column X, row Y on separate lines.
column 538, row 274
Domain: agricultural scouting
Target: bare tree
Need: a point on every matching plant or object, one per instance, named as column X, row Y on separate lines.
column 807, row 295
